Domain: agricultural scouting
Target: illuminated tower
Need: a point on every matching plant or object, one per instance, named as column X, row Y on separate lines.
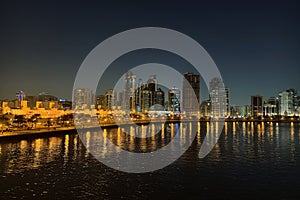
column 20, row 96
column 191, row 89
column 83, row 98
column 227, row 92
column 256, row 105
column 174, row 99
column 159, row 99
column 217, row 96
column 129, row 92
column 110, row 99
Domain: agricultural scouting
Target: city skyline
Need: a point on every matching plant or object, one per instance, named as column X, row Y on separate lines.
column 140, row 96
column 149, row 99
column 256, row 53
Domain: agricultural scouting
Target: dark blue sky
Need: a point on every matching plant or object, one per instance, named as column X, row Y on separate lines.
column 256, row 46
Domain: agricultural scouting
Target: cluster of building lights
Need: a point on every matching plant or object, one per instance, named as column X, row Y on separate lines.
column 148, row 98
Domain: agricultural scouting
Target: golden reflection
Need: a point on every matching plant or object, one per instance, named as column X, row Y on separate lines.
column 132, row 131
column 292, row 131
column 226, row 128
column 105, row 141
column 66, row 144
column 207, row 127
column 163, row 131
column 244, row 128
column 52, row 142
column 233, row 128
column 258, row 129
column 181, row 129
column 143, row 139
column 131, row 139
column 153, row 131
column 76, row 142
column 211, row 128
column 38, row 144
column 183, row 134
column 75, row 147
column 271, row 128
column 23, row 144
column 172, row 130
column 153, row 142
column 252, row 128
column 198, row 131
column 277, row 130
column 88, row 139
column 263, row 127
column 119, row 137
column 53, row 145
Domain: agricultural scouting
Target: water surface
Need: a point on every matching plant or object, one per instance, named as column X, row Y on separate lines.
column 250, row 160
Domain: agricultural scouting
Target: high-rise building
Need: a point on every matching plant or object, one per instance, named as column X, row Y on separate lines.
column 83, row 98
column 20, row 96
column 271, row 106
column 286, row 102
column 129, row 91
column 298, row 105
column 228, row 110
column 159, row 99
column 174, row 99
column 31, row 101
column 110, row 99
column 191, row 90
column 100, row 102
column 152, row 85
column 295, row 103
column 146, row 99
column 217, row 96
column 256, row 105
column 139, row 95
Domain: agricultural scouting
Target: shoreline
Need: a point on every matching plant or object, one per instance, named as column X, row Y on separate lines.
column 58, row 130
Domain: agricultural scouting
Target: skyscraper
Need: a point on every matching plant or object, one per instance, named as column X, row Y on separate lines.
column 31, row 101
column 152, row 86
column 146, row 99
column 271, row 106
column 227, row 92
column 110, row 99
column 191, row 89
column 256, row 105
column 217, row 96
column 174, row 99
column 20, row 96
column 159, row 99
column 100, row 102
column 129, row 91
column 287, row 105
column 83, row 98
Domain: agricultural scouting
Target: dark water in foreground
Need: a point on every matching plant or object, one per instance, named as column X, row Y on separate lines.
column 251, row 160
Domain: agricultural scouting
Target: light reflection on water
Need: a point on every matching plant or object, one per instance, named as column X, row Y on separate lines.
column 272, row 148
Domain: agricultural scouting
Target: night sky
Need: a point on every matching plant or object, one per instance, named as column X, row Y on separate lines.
column 256, row 46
